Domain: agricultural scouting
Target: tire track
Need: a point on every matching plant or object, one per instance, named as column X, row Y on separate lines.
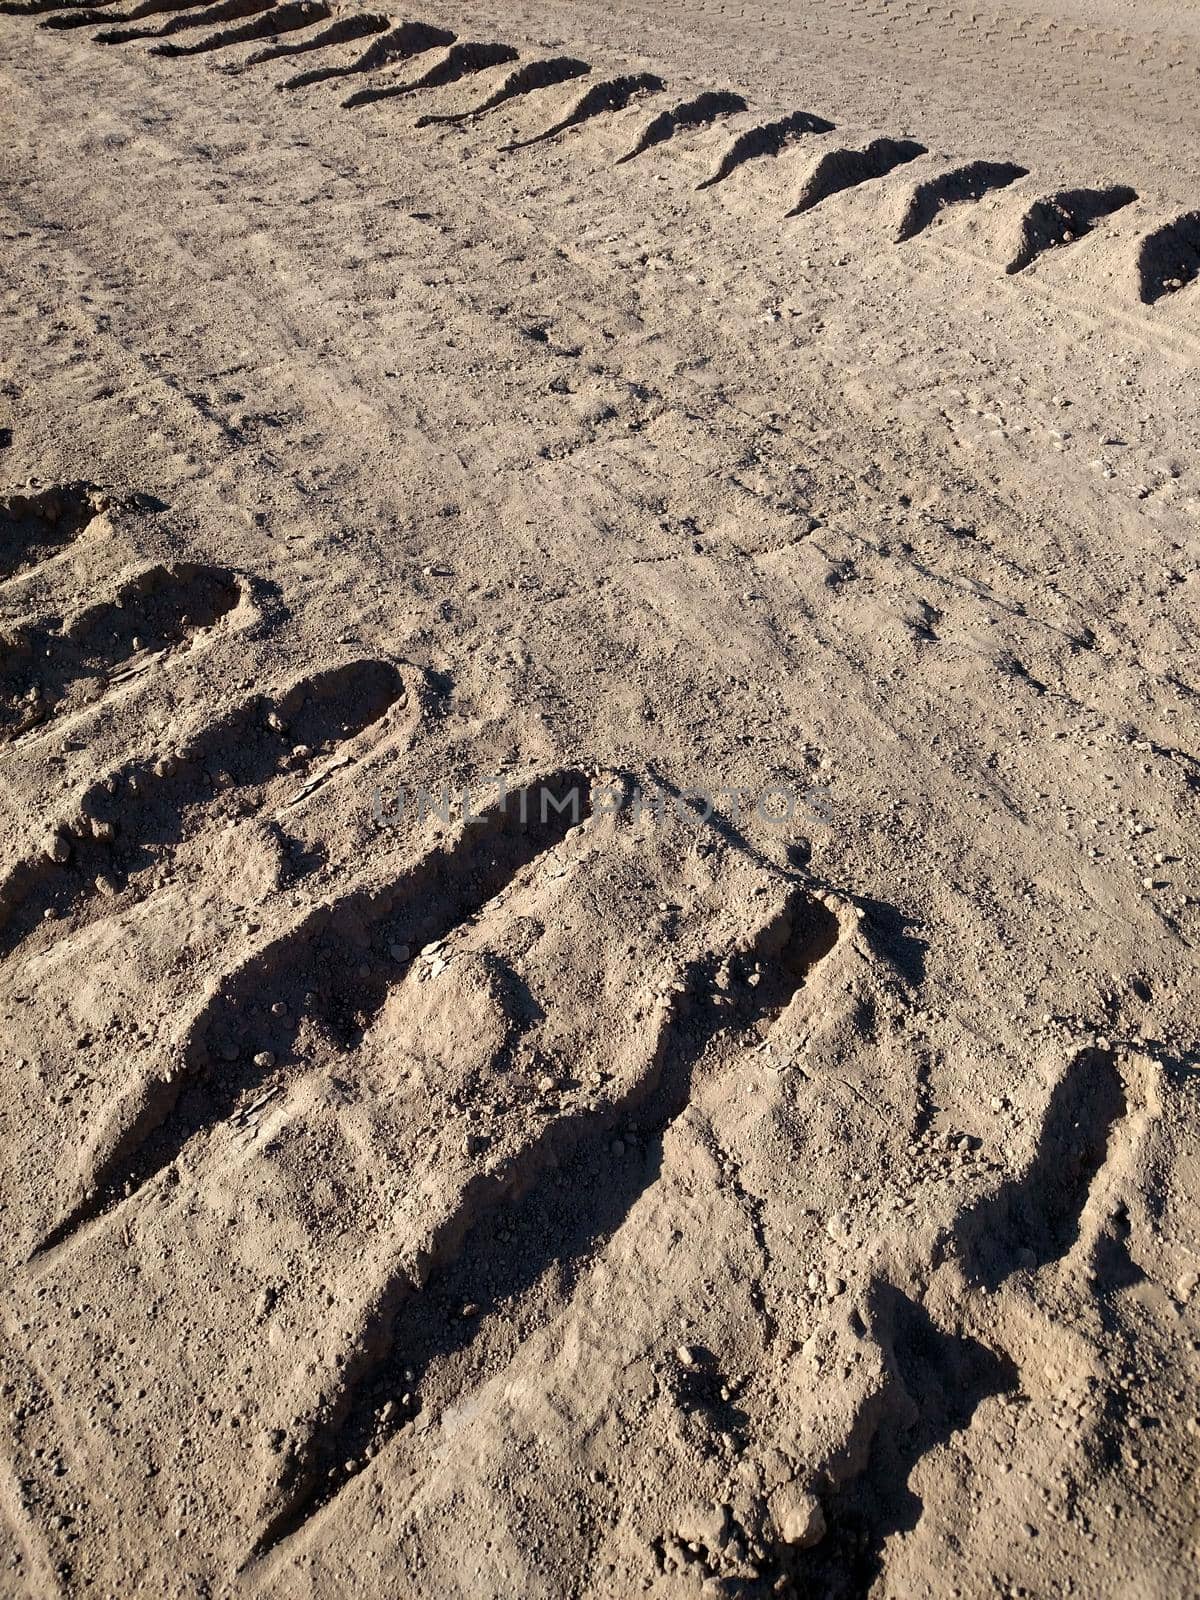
column 612, row 95
column 1169, row 258
column 846, row 169
column 460, row 61
column 91, row 17
column 271, row 22
column 701, row 112
column 1035, row 1218
column 38, row 8
column 128, row 822
column 400, row 44
column 937, row 1378
column 964, row 184
column 1064, row 218
column 344, row 31
column 767, row 139
column 525, row 80
column 223, row 11
column 158, row 610
column 402, row 1331
column 316, row 971
column 36, row 524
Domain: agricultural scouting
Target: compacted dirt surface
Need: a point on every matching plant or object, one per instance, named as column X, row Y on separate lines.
column 598, row 799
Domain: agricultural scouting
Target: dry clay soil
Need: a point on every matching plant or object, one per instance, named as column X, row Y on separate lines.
column 598, row 1197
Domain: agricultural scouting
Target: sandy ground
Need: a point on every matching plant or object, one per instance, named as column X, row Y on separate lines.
column 440, row 1158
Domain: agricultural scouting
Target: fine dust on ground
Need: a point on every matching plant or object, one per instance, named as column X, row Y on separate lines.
column 598, row 799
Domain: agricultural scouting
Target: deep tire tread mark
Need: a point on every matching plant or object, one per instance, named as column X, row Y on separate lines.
column 1063, row 218
column 789, row 947
column 938, row 1379
column 612, row 95
column 223, row 11
column 846, row 169
column 276, row 19
column 534, row 75
column 35, row 524
column 344, row 31
column 38, row 8
column 319, row 968
column 701, row 112
column 1037, row 1215
column 768, row 139
column 399, row 44
column 158, row 608
column 147, row 806
column 1169, row 258
column 935, row 1382
column 965, row 184
column 460, row 61
column 146, row 8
